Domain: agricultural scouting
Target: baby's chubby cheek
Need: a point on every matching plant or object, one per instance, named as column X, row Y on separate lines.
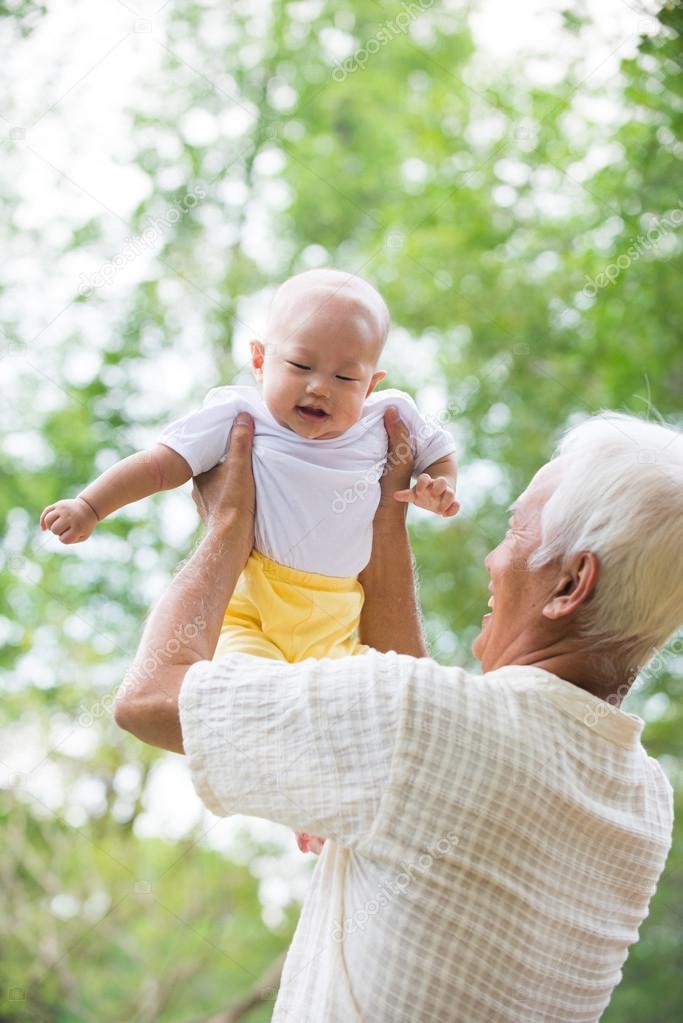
column 343, row 417
column 281, row 405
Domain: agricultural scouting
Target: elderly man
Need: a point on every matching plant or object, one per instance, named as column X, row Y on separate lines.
column 493, row 840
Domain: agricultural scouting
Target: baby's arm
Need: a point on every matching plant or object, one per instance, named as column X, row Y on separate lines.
column 434, row 488
column 135, row 477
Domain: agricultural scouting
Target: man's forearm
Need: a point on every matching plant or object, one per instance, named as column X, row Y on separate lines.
column 183, row 628
column 390, row 619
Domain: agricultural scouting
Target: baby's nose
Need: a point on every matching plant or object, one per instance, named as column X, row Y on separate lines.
column 318, row 386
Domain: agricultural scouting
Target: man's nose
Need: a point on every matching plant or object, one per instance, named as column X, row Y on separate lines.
column 491, row 559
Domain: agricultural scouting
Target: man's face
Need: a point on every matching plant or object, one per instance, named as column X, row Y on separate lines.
column 515, row 627
column 319, row 364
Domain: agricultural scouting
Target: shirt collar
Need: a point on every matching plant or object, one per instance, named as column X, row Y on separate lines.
column 602, row 717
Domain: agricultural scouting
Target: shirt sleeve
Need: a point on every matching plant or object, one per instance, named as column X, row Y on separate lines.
column 430, row 440
column 308, row 745
column 201, row 436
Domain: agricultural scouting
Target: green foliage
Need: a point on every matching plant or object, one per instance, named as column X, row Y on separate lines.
column 166, row 930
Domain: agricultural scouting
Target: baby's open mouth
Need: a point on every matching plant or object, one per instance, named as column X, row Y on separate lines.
column 311, row 412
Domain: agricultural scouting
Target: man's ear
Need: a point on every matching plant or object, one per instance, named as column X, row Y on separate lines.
column 258, row 354
column 376, row 377
column 574, row 587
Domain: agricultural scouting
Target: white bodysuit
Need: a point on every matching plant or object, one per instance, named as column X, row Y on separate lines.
column 315, row 499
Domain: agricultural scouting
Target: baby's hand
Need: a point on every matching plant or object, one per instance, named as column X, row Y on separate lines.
column 71, row 520
column 435, row 495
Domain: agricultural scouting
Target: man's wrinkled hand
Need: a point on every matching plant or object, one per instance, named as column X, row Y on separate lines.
column 399, row 463
column 226, row 493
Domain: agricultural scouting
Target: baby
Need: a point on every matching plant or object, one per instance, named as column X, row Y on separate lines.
column 319, row 450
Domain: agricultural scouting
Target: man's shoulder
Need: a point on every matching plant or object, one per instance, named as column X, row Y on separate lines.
column 477, row 708
column 663, row 787
column 429, row 687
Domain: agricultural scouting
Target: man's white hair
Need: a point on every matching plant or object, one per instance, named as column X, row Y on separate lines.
column 621, row 497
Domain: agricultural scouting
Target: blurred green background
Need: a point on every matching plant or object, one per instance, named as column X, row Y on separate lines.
column 510, row 177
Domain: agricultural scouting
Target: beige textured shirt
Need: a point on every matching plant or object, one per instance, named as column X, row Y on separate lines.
column 493, row 840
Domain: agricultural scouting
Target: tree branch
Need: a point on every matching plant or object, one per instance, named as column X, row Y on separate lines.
column 265, row 986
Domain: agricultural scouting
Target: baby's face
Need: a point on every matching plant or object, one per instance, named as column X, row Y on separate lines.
column 318, row 365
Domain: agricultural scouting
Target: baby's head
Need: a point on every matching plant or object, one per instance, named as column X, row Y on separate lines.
column 325, row 334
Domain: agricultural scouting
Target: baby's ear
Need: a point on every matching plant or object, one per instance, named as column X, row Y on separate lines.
column 375, row 379
column 258, row 354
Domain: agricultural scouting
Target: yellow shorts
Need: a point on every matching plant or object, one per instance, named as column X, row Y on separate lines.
column 288, row 615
